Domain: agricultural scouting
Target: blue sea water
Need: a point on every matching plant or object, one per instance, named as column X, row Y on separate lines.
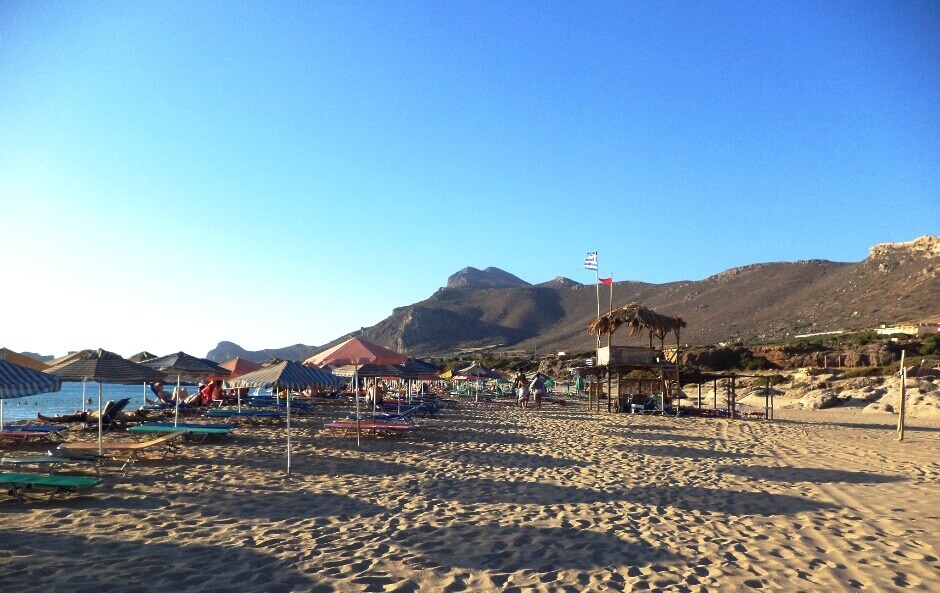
column 69, row 399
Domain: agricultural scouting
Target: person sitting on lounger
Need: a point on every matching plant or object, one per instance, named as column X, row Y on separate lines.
column 163, row 398
column 87, row 416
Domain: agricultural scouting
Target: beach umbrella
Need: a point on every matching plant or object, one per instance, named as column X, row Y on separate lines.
column 287, row 375
column 22, row 360
column 478, row 372
column 239, row 366
column 184, row 365
column 142, row 356
column 19, row 381
column 356, row 352
column 103, row 367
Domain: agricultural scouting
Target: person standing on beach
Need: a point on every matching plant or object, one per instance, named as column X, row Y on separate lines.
column 522, row 390
column 538, row 389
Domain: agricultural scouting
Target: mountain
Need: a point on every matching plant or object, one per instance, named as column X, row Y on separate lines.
column 761, row 302
column 475, row 279
column 227, row 351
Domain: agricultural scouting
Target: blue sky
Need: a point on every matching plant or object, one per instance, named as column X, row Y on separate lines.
column 175, row 174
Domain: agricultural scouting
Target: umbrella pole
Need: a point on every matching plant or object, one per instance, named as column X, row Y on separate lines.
column 176, row 409
column 288, row 430
column 238, row 390
column 83, row 395
column 100, row 424
column 1, row 415
column 356, row 396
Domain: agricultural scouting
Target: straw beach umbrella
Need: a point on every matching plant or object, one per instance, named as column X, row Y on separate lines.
column 639, row 318
column 18, row 381
column 356, row 352
column 104, row 367
column 184, row 365
column 286, row 375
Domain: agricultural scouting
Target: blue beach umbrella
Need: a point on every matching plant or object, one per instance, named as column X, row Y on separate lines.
column 17, row 381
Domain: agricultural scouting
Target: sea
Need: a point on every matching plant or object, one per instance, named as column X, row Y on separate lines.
column 69, row 399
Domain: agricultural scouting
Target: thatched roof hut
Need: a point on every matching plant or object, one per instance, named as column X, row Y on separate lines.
column 639, row 318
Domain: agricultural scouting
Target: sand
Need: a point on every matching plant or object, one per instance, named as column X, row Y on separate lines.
column 501, row 500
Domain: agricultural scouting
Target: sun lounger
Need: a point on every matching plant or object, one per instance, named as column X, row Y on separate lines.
column 166, row 443
column 52, row 461
column 22, row 437
column 368, row 428
column 249, row 415
column 16, row 484
column 191, row 429
column 421, row 409
column 35, row 428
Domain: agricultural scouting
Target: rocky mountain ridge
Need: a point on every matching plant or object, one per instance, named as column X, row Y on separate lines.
column 494, row 309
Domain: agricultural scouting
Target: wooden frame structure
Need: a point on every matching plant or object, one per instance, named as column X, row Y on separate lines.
column 618, row 361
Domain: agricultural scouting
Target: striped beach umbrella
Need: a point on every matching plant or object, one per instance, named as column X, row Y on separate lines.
column 18, row 381
column 103, row 367
column 287, row 375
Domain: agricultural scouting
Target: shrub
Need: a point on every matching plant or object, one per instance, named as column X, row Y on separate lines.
column 930, row 346
column 864, row 372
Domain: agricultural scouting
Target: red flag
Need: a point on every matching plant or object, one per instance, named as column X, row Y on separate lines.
column 607, row 281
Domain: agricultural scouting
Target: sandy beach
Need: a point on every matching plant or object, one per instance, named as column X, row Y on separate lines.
column 504, row 500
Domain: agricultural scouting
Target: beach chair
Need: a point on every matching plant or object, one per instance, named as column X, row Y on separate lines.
column 195, row 431
column 109, row 415
column 25, row 437
column 52, row 461
column 251, row 416
column 44, row 428
column 165, row 443
column 347, row 428
column 16, row 484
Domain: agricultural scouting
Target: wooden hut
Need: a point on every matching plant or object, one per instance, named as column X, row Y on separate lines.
column 620, row 362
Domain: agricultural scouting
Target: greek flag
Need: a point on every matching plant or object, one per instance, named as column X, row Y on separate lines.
column 590, row 262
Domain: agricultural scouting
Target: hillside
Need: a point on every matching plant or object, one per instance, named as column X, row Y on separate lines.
column 760, row 302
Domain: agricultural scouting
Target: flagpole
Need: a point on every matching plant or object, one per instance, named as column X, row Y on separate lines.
column 611, row 309
column 597, row 285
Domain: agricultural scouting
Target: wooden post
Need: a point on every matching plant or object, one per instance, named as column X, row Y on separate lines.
column 715, row 392
column 608, row 386
column 767, row 401
column 700, row 395
column 902, row 405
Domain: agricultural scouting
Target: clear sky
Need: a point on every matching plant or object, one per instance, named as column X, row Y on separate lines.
column 175, row 174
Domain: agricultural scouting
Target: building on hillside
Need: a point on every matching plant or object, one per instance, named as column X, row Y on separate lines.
column 915, row 330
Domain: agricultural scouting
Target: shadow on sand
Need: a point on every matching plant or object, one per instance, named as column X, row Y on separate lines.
column 510, row 548
column 526, row 461
column 682, row 451
column 64, row 562
column 807, row 474
column 730, row 502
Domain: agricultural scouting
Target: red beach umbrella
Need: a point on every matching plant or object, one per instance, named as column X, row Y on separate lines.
column 356, row 352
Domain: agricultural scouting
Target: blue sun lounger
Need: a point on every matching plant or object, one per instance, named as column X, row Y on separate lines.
column 249, row 415
column 35, row 428
column 17, row 484
column 190, row 428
